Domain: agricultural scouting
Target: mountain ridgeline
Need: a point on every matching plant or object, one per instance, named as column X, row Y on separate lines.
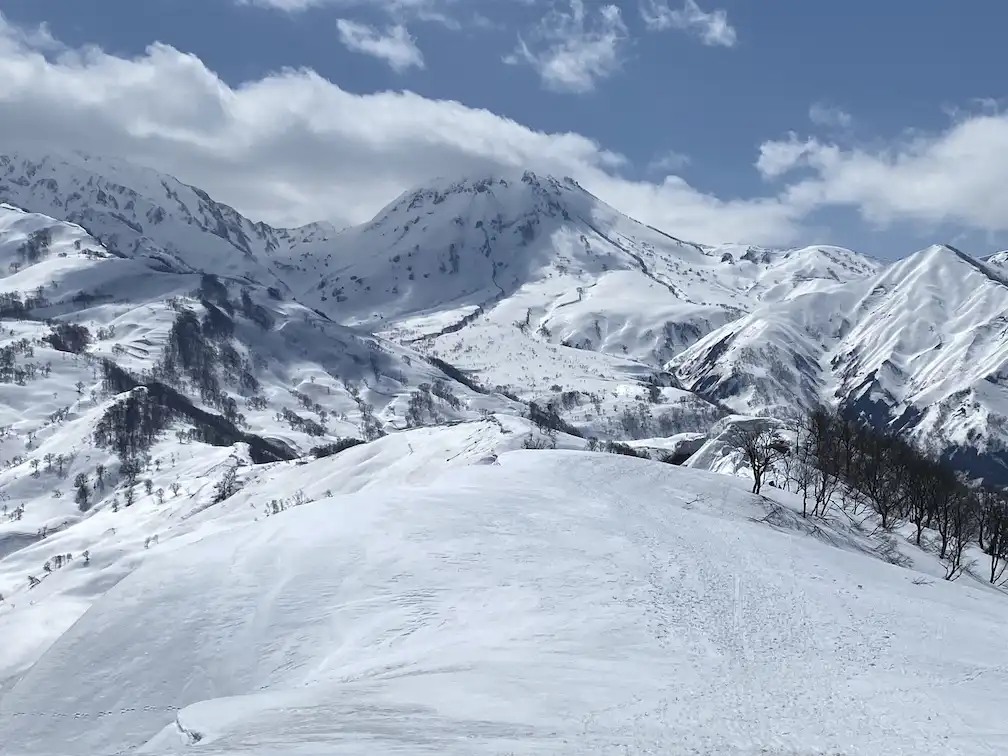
column 527, row 288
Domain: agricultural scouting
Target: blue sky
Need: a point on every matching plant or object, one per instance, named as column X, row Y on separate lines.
column 860, row 123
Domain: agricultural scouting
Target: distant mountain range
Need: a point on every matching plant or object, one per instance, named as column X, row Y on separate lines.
column 527, row 286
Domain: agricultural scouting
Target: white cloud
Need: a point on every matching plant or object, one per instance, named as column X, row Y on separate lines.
column 830, row 116
column 39, row 38
column 395, row 46
column 292, row 147
column 291, row 6
column 958, row 176
column 669, row 160
column 712, row 28
column 779, row 157
column 571, row 52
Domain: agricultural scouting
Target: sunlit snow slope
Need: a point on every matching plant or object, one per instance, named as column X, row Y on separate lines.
column 551, row 603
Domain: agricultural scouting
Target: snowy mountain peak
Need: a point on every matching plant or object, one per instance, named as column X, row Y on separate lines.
column 500, row 195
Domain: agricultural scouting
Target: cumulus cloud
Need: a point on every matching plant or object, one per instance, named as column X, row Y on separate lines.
column 292, row 147
column 572, row 51
column 779, row 157
column 958, row 176
column 395, row 46
column 711, row 27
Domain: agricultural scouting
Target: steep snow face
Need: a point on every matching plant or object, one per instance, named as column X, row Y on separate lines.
column 474, row 610
column 923, row 345
column 148, row 215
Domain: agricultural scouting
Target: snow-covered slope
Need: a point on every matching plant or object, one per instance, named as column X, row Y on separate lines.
column 546, row 603
column 84, row 330
column 923, row 346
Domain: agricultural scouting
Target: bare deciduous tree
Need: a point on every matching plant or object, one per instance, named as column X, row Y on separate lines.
column 760, row 445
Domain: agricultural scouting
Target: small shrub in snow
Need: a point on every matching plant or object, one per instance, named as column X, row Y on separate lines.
column 227, row 486
column 541, row 442
column 443, row 390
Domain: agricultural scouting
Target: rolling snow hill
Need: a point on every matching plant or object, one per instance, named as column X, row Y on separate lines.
column 527, row 603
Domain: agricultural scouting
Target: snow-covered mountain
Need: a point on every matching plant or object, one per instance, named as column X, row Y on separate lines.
column 590, row 275
column 145, row 214
column 85, row 328
column 196, row 551
column 922, row 347
column 531, row 284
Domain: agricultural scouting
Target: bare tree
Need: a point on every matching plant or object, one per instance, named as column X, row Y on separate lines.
column 761, row 447
column 963, row 521
column 992, row 530
column 822, row 436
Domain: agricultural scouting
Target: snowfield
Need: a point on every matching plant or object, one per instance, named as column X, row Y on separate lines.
column 550, row 602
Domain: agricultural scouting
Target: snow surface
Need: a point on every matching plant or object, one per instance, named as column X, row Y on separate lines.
column 548, row 602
